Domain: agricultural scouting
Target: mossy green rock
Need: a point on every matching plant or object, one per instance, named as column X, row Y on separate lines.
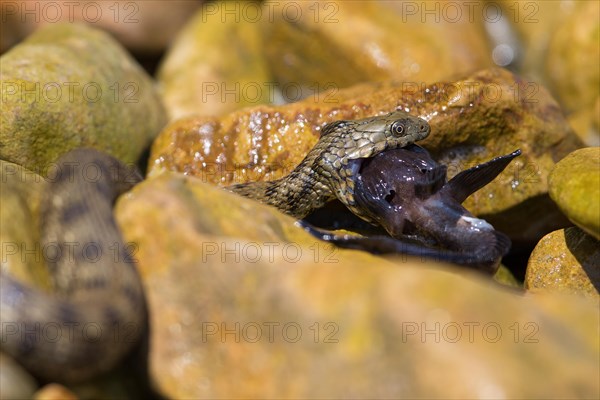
column 574, row 185
column 565, row 261
column 70, row 86
column 215, row 66
column 238, row 293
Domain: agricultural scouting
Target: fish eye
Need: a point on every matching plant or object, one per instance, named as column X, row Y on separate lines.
column 397, row 128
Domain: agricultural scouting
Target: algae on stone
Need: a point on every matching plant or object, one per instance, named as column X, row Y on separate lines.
column 69, row 86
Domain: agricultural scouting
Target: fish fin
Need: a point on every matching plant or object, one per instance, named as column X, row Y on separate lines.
column 471, row 180
column 331, row 127
column 485, row 258
column 434, row 180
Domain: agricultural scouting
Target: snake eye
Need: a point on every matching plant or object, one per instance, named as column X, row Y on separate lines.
column 397, row 128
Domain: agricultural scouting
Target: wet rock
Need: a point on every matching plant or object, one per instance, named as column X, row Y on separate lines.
column 71, row 86
column 565, row 261
column 575, row 77
column 141, row 26
column 317, row 45
column 574, row 185
column 216, row 65
column 473, row 119
column 22, row 191
column 15, row 382
column 344, row 324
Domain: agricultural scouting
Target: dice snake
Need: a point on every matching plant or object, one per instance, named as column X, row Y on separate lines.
column 99, row 309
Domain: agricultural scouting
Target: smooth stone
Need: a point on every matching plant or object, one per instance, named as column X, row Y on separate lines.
column 474, row 119
column 319, row 45
column 565, row 261
column 574, row 185
column 144, row 27
column 316, row 324
column 69, row 86
column 215, row 65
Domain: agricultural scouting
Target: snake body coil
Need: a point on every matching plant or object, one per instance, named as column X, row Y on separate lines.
column 99, row 311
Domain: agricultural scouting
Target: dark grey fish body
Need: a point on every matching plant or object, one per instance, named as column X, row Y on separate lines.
column 405, row 191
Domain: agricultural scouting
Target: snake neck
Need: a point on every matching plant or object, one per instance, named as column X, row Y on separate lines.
column 296, row 194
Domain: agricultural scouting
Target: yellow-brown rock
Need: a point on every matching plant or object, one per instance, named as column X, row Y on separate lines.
column 573, row 54
column 294, row 322
column 216, row 64
column 322, row 44
column 565, row 261
column 574, row 184
column 473, row 119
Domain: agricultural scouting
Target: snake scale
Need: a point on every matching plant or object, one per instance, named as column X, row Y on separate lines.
column 98, row 311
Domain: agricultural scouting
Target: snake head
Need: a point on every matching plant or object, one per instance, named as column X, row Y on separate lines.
column 348, row 143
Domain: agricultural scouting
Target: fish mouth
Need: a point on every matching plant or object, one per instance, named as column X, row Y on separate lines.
column 389, row 185
column 405, row 191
